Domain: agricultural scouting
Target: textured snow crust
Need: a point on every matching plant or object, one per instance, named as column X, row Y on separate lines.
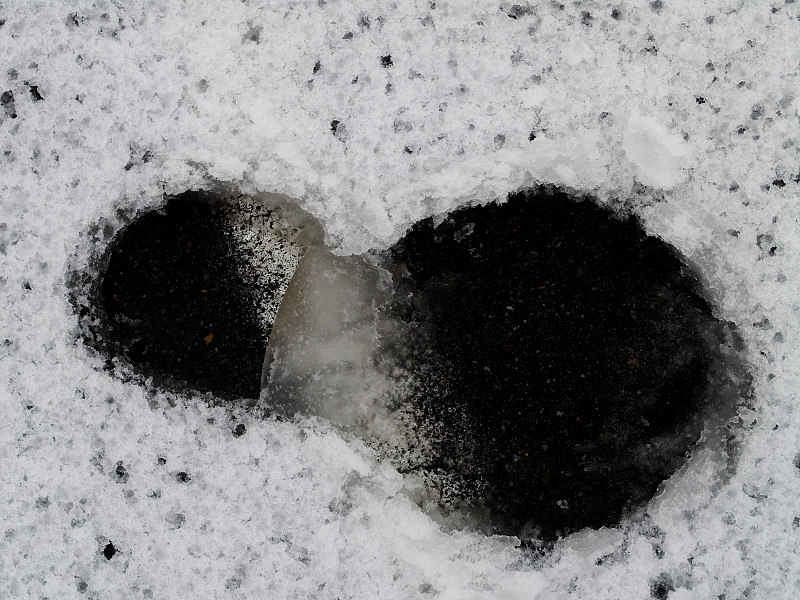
column 684, row 112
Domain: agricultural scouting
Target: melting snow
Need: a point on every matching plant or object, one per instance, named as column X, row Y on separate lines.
column 683, row 112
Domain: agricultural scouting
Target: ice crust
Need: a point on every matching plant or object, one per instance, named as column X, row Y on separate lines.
column 684, row 112
column 320, row 354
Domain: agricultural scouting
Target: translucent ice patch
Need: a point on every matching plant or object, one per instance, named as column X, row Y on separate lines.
column 320, row 355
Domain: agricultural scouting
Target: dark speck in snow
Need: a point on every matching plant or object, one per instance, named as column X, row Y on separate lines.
column 109, row 551
column 7, row 102
column 518, row 10
column 253, row 34
column 121, row 473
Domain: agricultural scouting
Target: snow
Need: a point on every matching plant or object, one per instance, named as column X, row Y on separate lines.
column 224, row 91
column 657, row 154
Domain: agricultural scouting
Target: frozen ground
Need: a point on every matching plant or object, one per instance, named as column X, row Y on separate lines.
column 374, row 115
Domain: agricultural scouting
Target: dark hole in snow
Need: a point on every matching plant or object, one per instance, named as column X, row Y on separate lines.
column 386, row 61
column 109, row 551
column 570, row 361
column 564, row 362
column 173, row 302
column 183, row 296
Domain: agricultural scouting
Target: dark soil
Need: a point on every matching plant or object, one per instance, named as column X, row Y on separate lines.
column 175, row 305
column 567, row 357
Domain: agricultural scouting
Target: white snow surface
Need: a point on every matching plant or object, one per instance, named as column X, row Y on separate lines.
column 685, row 112
column 657, row 154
